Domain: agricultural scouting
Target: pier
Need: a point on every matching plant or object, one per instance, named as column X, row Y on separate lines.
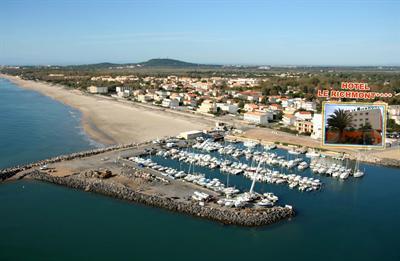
column 108, row 171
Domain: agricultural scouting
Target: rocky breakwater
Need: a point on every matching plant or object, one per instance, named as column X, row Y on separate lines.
column 9, row 172
column 240, row 217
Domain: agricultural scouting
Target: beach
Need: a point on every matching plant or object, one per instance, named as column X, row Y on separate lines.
column 111, row 122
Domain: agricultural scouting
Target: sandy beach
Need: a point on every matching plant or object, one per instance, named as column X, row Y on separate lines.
column 108, row 121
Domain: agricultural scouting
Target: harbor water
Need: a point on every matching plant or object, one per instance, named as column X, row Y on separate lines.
column 353, row 219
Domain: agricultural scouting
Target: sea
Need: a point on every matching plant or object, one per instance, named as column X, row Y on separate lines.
column 354, row 219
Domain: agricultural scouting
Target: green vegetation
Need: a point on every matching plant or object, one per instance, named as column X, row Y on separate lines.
column 291, row 82
column 340, row 120
column 392, row 126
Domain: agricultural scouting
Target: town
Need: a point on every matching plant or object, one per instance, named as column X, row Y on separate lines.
column 281, row 100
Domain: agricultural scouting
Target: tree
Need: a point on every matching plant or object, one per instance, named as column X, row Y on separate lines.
column 392, row 126
column 340, row 120
column 366, row 126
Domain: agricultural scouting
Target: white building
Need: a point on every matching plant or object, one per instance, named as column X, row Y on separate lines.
column 394, row 113
column 98, row 89
column 261, row 118
column 288, row 119
column 189, row 135
column 170, row 103
column 123, row 89
column 309, row 106
column 124, row 94
column 304, row 115
column 230, row 108
column 286, row 102
column 317, row 126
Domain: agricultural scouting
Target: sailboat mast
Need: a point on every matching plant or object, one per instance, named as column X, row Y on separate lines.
column 254, row 177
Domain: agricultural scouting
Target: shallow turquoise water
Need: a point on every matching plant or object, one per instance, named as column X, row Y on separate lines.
column 350, row 220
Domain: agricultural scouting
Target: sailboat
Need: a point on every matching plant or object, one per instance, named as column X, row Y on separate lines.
column 357, row 173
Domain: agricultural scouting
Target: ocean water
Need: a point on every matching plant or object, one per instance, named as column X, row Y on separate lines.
column 356, row 219
column 34, row 127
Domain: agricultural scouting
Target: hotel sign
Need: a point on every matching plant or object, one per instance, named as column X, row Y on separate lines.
column 353, row 90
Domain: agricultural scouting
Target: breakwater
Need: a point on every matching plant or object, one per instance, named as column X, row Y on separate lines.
column 240, row 217
column 9, row 172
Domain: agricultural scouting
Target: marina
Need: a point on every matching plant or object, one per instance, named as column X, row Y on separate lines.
column 212, row 174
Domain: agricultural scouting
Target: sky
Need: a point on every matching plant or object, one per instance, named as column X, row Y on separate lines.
column 248, row 32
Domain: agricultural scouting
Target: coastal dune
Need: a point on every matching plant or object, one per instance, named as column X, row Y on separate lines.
column 108, row 121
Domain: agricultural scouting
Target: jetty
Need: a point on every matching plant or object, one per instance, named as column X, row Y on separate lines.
column 108, row 171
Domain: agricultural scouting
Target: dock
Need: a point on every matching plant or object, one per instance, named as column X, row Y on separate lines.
column 107, row 171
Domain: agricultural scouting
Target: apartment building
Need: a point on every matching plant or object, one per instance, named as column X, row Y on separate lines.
column 304, row 126
column 362, row 116
column 261, row 118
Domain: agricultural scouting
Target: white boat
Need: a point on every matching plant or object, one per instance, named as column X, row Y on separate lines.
column 265, row 203
column 270, row 147
column 312, row 154
column 250, row 144
column 294, row 152
column 344, row 175
column 358, row 174
column 303, row 165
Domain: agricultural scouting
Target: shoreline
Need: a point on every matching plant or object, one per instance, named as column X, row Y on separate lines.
column 110, row 122
column 87, row 124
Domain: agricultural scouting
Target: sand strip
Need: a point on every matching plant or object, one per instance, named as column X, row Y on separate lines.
column 108, row 121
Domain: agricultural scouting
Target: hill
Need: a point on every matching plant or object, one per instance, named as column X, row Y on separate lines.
column 152, row 63
column 172, row 63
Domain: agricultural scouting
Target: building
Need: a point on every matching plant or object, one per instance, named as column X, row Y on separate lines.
column 361, row 116
column 288, row 119
column 189, row 135
column 123, row 89
column 145, row 98
column 275, row 107
column 191, row 103
column 250, row 95
column 394, row 113
column 176, row 96
column 137, row 92
column 317, row 126
column 250, row 107
column 229, row 108
column 286, row 102
column 170, row 103
column 274, row 98
column 207, row 106
column 304, row 126
column 124, row 94
column 297, row 103
column 309, row 106
column 303, row 115
column 261, row 118
column 98, row 89
column 289, row 110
